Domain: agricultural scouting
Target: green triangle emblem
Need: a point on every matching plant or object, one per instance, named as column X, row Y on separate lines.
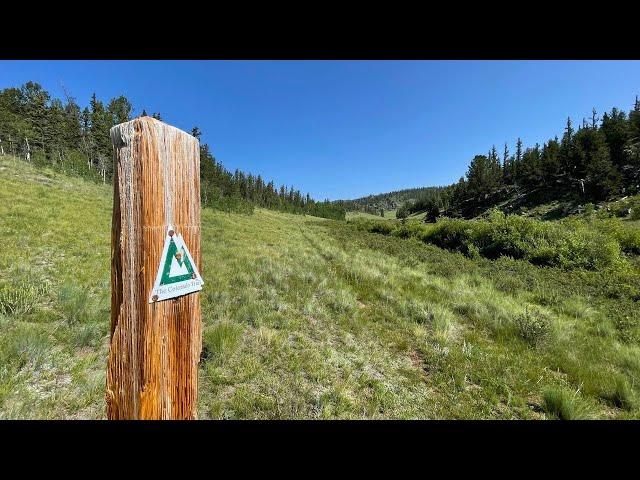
column 177, row 265
column 177, row 273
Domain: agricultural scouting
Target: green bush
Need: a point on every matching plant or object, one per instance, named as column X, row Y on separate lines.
column 628, row 236
column 627, row 207
column 572, row 243
column 382, row 227
column 533, row 327
column 589, row 210
column 408, row 229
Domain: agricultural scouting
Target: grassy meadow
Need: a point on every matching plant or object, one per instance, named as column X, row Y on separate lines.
column 312, row 318
column 354, row 215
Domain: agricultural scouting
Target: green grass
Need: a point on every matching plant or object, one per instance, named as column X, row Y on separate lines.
column 311, row 318
column 562, row 405
column 388, row 215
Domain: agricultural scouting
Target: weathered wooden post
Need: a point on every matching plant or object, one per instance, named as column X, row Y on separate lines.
column 155, row 254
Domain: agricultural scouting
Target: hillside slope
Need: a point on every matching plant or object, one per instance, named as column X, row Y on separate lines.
column 389, row 201
column 310, row 318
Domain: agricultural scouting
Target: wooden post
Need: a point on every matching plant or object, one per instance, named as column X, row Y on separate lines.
column 155, row 345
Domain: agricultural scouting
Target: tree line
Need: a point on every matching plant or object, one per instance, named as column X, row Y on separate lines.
column 596, row 161
column 61, row 134
column 374, row 204
column 238, row 191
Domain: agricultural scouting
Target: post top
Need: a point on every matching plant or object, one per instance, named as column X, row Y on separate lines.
column 150, row 120
column 121, row 132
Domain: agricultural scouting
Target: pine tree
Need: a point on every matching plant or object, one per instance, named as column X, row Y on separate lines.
column 530, row 172
column 550, row 160
column 34, row 103
column 616, row 133
column 517, row 163
column 100, row 140
column 482, row 177
column 12, row 122
column 39, row 127
column 593, row 165
column 632, row 145
column 432, row 211
column 55, row 132
column 567, row 151
column 119, row 109
column 72, row 124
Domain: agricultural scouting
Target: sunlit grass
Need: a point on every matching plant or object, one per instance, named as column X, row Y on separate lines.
column 309, row 318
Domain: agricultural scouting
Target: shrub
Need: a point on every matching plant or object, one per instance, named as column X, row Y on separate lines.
column 451, row 234
column 582, row 245
column 384, row 228
column 627, row 207
column 408, row 229
column 533, row 327
column 589, row 210
column 628, row 237
column 569, row 244
column 402, row 212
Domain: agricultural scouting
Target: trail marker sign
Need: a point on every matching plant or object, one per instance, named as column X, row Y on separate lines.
column 177, row 272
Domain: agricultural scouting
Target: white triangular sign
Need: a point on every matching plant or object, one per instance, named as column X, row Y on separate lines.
column 177, row 272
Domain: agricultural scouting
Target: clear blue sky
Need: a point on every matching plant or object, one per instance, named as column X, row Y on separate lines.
column 343, row 129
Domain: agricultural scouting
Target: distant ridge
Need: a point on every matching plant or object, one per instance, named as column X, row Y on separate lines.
column 386, row 201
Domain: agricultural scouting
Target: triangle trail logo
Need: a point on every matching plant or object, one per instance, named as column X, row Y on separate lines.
column 177, row 273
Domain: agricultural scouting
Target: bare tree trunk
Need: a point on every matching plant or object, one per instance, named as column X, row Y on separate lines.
column 103, row 168
column 85, row 147
column 44, row 147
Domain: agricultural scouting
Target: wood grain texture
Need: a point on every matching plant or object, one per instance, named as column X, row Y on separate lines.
column 155, row 347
